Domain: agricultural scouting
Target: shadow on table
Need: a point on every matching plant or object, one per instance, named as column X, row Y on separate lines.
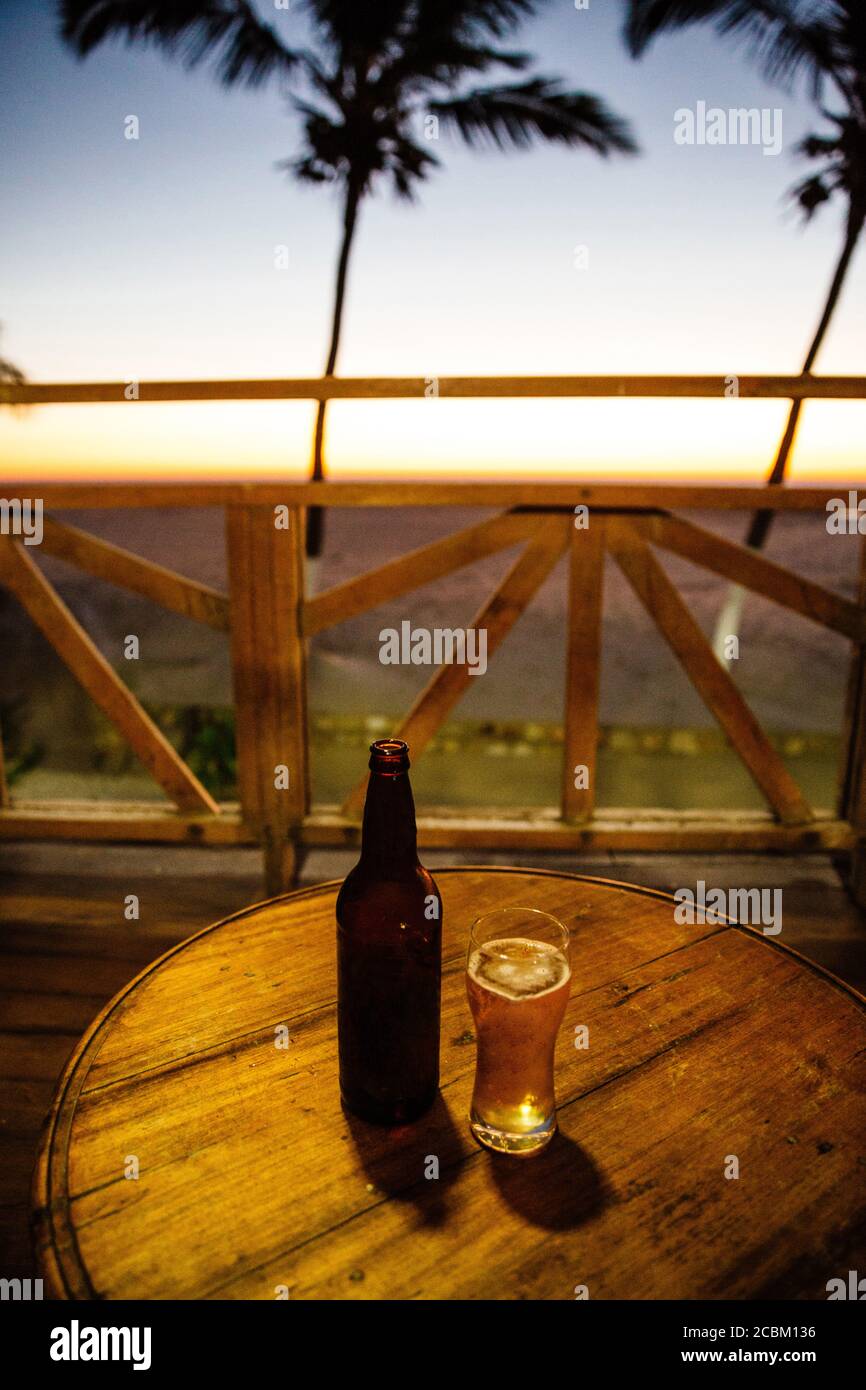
column 397, row 1161
column 558, row 1189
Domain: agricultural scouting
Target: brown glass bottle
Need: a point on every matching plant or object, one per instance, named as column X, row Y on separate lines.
column 389, row 956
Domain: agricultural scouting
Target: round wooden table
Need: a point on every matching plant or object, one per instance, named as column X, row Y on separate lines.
column 711, row 1048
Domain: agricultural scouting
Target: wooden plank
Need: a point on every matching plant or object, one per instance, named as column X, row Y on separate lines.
column 341, row 1209
column 583, row 668
column 246, row 672
column 90, row 668
column 66, row 950
column 496, row 617
column 749, row 568
column 438, row 828
column 712, row 682
column 266, row 589
column 107, row 822
column 750, row 386
column 630, row 496
column 609, row 829
column 118, row 566
column 418, row 567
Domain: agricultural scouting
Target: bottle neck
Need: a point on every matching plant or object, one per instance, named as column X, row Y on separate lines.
column 389, row 840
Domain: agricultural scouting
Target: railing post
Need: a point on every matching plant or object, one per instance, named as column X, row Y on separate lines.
column 265, row 548
column 582, row 664
column 853, row 798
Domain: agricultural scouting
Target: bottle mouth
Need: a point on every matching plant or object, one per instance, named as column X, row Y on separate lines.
column 389, row 756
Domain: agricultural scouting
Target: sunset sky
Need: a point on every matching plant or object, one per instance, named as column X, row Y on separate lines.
column 154, row 259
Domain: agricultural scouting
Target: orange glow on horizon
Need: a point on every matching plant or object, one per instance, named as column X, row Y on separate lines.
column 599, row 440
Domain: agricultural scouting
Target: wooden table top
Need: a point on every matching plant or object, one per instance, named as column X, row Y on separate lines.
column 704, row 1042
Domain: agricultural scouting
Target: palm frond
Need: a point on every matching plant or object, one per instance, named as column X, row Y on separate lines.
column 514, row 115
column 446, row 62
column 244, row 49
column 842, row 156
column 440, row 40
column 328, row 152
column 337, row 151
column 810, row 193
column 494, row 17
column 371, row 26
column 408, row 163
column 782, row 38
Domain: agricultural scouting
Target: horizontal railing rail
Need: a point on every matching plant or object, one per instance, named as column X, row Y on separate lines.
column 748, row 386
column 526, row 496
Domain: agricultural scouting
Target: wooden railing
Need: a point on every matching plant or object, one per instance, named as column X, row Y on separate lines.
column 268, row 618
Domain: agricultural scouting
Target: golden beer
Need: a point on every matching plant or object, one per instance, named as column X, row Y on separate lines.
column 518, row 986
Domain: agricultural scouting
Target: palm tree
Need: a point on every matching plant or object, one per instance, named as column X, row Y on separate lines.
column 376, row 72
column 827, row 40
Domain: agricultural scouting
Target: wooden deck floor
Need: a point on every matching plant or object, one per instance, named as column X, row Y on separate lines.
column 66, row 948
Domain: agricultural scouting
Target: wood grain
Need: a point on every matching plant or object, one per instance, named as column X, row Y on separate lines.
column 439, row 828
column 614, row 496
column 122, row 822
column 251, row 1177
column 583, row 667
column 766, row 387
column 65, row 949
column 269, row 676
column 609, row 829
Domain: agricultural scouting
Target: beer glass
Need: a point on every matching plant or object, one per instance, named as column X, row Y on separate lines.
column 518, row 979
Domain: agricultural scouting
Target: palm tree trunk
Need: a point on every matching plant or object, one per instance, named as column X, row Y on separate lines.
column 316, row 515
column 759, row 528
column 761, row 521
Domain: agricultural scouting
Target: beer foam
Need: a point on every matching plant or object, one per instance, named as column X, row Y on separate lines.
column 518, row 967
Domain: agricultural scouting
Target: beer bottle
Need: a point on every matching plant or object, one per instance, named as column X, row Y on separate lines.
column 389, row 956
